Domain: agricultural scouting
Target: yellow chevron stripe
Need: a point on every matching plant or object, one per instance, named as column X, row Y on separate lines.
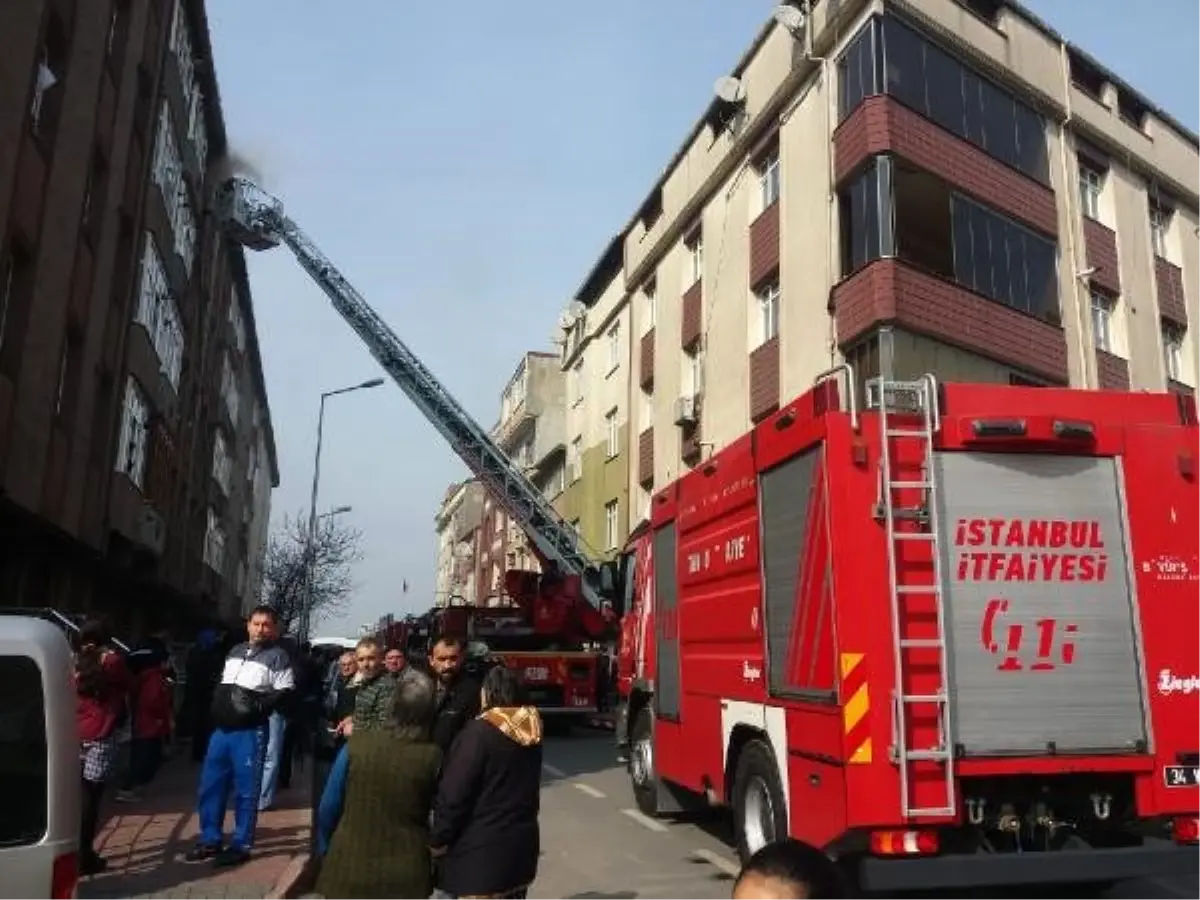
column 856, row 707
column 850, row 662
column 862, row 754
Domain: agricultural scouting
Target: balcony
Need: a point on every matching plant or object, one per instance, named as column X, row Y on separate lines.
column 1100, row 242
column 764, row 379
column 645, row 465
column 646, row 361
column 1112, row 372
column 691, row 322
column 764, row 245
column 1169, row 279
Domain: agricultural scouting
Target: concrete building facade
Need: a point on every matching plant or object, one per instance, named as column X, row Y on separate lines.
column 136, row 450
column 457, row 525
column 913, row 185
column 596, row 343
column 531, row 430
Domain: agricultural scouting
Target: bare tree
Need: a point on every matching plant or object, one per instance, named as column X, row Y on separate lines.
column 334, row 553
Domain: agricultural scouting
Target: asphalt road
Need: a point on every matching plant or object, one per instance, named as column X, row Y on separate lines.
column 595, row 844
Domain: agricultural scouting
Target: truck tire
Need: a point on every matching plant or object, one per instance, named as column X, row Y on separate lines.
column 642, row 775
column 759, row 807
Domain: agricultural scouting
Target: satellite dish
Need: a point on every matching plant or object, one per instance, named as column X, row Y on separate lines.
column 789, row 17
column 729, row 89
column 565, row 320
column 576, row 309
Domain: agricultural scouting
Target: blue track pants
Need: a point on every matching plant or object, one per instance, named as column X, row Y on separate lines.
column 234, row 760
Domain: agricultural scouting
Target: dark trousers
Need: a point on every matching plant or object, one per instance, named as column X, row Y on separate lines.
column 145, row 756
column 93, row 791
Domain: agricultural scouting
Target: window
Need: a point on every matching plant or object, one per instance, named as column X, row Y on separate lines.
column 1172, row 337
column 1160, row 223
column 135, row 419
column 180, row 43
column 1003, row 261
column 197, row 130
column 214, row 543
column 612, row 433
column 1091, row 184
column 1102, row 313
column 48, row 79
column 857, row 75
column 229, row 389
column 647, row 410
column 860, row 220
column 8, row 288
column 768, row 311
column 577, row 383
column 894, row 210
column 889, row 57
column 158, row 313
column 94, row 192
column 168, row 175
column 575, row 459
column 614, row 348
column 237, row 322
column 693, row 382
column 650, row 292
column 695, row 259
column 24, row 772
column 768, row 178
column 222, row 465
column 612, row 514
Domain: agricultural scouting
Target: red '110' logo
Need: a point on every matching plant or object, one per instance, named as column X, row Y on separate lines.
column 1055, row 640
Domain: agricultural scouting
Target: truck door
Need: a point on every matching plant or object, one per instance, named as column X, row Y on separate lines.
column 666, row 623
column 1043, row 640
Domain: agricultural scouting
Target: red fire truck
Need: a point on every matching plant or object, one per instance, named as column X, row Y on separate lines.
column 951, row 639
column 556, row 663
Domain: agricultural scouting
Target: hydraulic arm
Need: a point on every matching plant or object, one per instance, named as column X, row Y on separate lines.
column 257, row 221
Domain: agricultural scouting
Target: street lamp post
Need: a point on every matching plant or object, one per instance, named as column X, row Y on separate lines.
column 311, row 549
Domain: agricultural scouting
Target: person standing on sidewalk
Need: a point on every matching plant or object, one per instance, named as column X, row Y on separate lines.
column 102, row 684
column 257, row 680
column 485, row 831
column 153, row 718
column 457, row 692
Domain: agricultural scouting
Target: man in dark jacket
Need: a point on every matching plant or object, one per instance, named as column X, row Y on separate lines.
column 457, row 693
column 256, row 681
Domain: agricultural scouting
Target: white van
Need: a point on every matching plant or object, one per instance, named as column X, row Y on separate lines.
column 39, row 761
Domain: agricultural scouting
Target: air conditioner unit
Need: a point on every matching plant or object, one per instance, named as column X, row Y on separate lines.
column 150, row 529
column 687, row 409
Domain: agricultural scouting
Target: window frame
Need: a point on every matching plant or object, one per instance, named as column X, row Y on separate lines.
column 612, row 433
column 1160, row 224
column 770, row 184
column 1091, row 189
column 612, row 339
column 1102, row 308
column 767, row 297
column 133, row 436
column 694, row 266
column 1172, row 340
column 612, row 523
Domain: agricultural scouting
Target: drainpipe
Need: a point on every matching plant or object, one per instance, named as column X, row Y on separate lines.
column 1073, row 219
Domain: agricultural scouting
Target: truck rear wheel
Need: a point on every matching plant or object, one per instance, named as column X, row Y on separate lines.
column 641, row 762
column 759, row 807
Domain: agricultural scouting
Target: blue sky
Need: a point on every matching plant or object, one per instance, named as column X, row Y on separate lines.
column 464, row 163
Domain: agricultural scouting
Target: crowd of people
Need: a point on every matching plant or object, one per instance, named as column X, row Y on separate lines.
column 430, row 773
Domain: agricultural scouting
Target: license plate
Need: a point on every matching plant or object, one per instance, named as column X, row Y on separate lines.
column 1181, row 776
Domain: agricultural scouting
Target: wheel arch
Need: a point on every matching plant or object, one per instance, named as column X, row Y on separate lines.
column 741, row 735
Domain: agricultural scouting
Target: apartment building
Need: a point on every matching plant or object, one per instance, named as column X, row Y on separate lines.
column 531, row 430
column 910, row 186
column 596, row 343
column 457, row 525
column 136, row 472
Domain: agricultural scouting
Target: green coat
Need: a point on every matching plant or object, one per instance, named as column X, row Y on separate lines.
column 381, row 845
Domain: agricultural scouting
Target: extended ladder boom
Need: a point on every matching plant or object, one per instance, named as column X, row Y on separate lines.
column 257, row 220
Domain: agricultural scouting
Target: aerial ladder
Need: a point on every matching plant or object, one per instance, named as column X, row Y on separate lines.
column 572, row 591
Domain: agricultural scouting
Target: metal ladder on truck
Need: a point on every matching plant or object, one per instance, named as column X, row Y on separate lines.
column 915, row 404
column 257, row 221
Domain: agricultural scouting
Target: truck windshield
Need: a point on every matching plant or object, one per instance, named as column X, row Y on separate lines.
column 628, row 573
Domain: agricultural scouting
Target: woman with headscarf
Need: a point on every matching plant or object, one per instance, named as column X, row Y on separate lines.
column 485, row 819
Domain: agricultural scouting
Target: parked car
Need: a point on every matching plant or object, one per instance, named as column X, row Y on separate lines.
column 39, row 761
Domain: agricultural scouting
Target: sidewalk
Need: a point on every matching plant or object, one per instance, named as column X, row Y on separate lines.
column 145, row 841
